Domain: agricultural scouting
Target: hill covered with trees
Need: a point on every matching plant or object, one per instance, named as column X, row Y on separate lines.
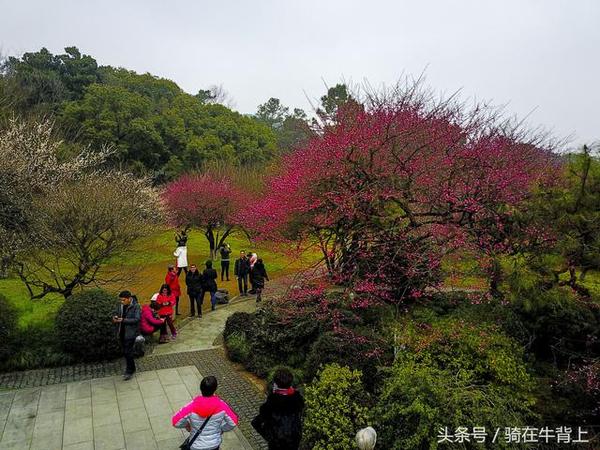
column 153, row 124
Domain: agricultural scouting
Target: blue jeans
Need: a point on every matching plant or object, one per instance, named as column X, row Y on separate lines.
column 213, row 298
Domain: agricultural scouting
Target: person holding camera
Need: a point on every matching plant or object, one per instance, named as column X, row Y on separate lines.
column 127, row 322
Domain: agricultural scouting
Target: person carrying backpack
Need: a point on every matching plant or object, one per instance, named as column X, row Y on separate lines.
column 279, row 420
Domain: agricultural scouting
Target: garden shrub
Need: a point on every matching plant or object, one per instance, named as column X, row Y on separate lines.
column 261, row 363
column 238, row 348
column 362, row 351
column 84, row 326
column 239, row 322
column 452, row 374
column 335, row 409
column 267, row 341
column 37, row 345
column 8, row 327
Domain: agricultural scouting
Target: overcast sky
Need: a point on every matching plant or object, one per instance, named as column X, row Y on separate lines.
column 537, row 56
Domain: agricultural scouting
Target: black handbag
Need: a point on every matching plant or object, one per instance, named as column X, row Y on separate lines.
column 187, row 444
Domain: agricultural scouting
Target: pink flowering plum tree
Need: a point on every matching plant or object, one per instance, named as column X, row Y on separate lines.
column 212, row 203
column 397, row 181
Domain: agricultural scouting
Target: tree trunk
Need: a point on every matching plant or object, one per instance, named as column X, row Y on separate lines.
column 221, row 240
column 495, row 278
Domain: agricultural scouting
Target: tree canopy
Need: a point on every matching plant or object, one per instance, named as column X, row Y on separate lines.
column 153, row 124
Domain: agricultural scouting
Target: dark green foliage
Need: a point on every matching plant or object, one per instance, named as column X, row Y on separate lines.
column 560, row 323
column 452, row 373
column 291, row 130
column 238, row 347
column 238, row 322
column 271, row 342
column 37, row 346
column 335, row 409
column 84, row 327
column 8, row 327
column 151, row 122
column 365, row 352
column 39, row 81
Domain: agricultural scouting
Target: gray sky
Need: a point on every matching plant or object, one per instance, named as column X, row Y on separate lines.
column 533, row 55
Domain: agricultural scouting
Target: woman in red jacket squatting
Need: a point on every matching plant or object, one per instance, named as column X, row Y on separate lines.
column 166, row 300
column 172, row 279
column 208, row 412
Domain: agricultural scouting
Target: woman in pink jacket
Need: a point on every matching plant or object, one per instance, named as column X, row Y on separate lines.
column 149, row 323
column 208, row 413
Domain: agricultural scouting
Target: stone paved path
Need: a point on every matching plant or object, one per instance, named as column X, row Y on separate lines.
column 53, row 405
column 201, row 333
column 105, row 413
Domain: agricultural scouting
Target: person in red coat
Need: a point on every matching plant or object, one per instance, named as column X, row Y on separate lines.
column 172, row 279
column 166, row 300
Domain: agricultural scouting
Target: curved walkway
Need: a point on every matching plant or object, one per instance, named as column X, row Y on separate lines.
column 88, row 406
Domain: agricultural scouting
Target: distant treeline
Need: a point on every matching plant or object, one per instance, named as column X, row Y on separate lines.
column 154, row 125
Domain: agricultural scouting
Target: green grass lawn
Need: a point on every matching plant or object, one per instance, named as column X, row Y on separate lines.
column 151, row 256
column 148, row 261
column 30, row 312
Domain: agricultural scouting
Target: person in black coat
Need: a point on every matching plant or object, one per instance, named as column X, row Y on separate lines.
column 225, row 251
column 241, row 271
column 209, row 284
column 258, row 276
column 127, row 325
column 279, row 420
column 194, row 281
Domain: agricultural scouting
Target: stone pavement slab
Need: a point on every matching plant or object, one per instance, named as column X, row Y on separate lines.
column 104, row 414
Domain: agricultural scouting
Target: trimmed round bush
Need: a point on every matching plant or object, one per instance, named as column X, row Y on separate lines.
column 8, row 328
column 84, row 326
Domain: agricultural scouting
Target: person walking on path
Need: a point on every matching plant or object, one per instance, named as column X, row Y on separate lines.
column 241, row 270
column 279, row 420
column 172, row 279
column 166, row 300
column 225, row 251
column 252, row 258
column 150, row 322
column 258, row 275
column 127, row 321
column 194, row 281
column 208, row 414
column 209, row 284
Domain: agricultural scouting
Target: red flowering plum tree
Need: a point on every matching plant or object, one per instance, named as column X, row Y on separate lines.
column 396, row 182
column 213, row 203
